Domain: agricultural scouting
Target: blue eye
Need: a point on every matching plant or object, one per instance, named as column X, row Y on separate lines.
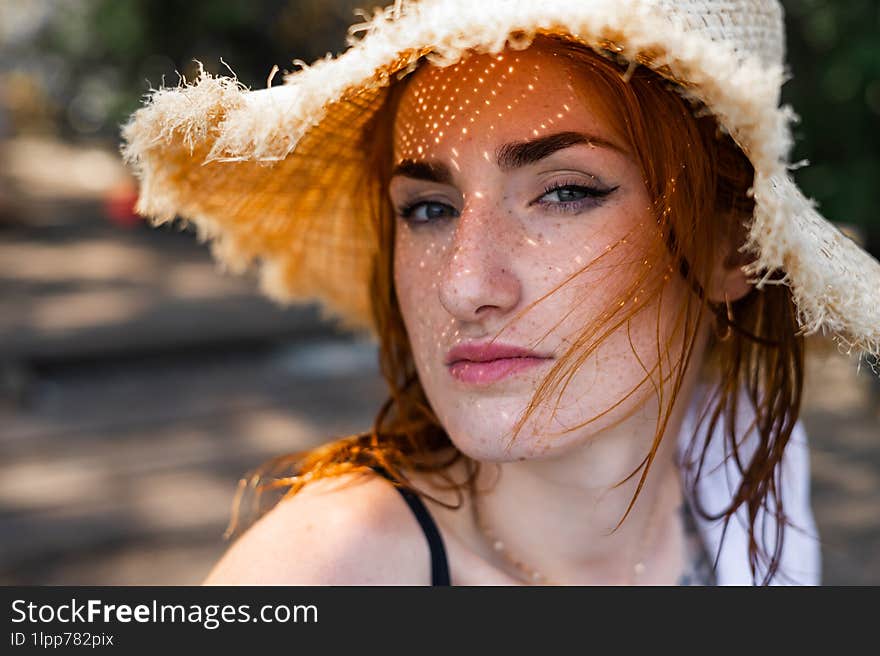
column 567, row 194
column 572, row 197
column 427, row 211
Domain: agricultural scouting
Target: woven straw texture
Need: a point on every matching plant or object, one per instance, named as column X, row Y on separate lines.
column 263, row 174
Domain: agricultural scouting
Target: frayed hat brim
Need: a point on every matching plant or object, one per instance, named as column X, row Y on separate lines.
column 261, row 173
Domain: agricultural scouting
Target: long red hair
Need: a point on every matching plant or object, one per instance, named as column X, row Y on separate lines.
column 698, row 180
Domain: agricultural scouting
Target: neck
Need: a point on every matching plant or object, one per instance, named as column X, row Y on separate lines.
column 558, row 515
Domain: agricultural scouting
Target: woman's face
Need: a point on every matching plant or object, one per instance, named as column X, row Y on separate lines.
column 507, row 184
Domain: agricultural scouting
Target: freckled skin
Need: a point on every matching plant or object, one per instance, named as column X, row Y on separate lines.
column 465, row 277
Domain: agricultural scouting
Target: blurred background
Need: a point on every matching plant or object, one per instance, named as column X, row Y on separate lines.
column 137, row 383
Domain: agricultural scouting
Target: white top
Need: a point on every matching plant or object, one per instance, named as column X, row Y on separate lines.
column 800, row 563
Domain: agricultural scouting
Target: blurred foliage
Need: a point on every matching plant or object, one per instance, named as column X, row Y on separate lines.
column 98, row 57
column 834, row 56
column 95, row 59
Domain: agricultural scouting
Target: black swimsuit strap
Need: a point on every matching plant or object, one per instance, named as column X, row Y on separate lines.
column 439, row 563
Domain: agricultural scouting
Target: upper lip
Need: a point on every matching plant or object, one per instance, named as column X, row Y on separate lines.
column 487, row 351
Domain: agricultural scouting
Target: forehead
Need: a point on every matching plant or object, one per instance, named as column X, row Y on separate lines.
column 483, row 99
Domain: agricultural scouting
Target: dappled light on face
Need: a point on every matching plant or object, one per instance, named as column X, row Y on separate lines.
column 523, row 216
column 445, row 108
column 468, row 143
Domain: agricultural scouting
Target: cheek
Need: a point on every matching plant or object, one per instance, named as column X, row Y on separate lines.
column 607, row 273
column 426, row 323
column 413, row 265
column 416, row 267
column 603, row 254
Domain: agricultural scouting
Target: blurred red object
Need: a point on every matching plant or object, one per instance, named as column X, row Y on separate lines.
column 119, row 202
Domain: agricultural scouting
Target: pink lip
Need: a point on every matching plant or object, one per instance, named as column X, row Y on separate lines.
column 487, row 363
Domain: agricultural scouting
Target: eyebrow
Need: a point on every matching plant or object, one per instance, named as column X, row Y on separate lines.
column 430, row 171
column 522, row 153
column 510, row 156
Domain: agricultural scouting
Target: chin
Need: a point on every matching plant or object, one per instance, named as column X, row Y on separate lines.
column 483, row 433
column 487, row 439
column 493, row 449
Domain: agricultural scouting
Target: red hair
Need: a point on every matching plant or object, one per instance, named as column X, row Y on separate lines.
column 698, row 180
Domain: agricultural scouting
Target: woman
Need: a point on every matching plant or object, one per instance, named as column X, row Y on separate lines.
column 570, row 227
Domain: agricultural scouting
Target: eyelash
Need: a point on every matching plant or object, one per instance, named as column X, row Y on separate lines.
column 593, row 197
column 407, row 211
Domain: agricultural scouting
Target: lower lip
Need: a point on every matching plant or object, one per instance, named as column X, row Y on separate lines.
column 482, row 373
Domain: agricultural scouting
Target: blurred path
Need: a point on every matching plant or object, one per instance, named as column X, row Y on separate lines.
column 137, row 383
column 842, row 418
column 82, row 278
column 124, row 472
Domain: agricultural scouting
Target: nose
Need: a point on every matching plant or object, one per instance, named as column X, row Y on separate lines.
column 477, row 280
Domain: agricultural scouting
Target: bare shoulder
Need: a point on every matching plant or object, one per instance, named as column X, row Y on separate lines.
column 347, row 530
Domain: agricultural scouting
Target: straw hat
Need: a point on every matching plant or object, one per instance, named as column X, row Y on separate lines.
column 262, row 174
